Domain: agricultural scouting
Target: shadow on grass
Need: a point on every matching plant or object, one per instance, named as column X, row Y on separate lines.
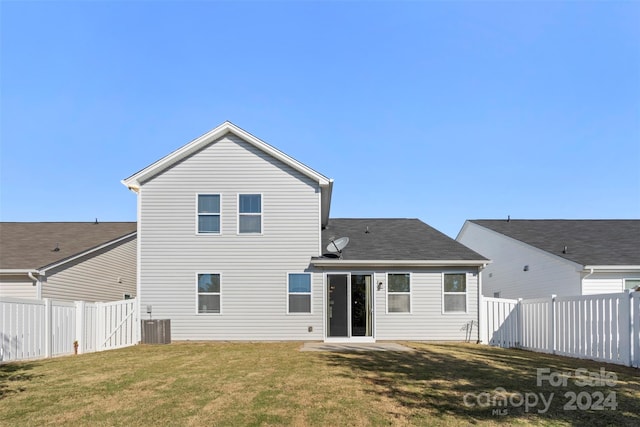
column 434, row 380
column 13, row 376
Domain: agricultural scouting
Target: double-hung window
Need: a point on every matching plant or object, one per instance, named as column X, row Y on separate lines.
column 454, row 290
column 399, row 293
column 208, row 213
column 249, row 213
column 299, row 293
column 208, row 293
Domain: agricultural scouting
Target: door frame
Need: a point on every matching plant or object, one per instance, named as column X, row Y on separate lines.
column 325, row 303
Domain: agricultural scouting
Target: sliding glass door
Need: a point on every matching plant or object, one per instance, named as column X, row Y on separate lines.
column 349, row 305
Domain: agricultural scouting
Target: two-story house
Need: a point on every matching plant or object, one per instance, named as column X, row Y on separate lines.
column 235, row 243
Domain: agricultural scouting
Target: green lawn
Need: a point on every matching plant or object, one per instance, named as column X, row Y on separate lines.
column 275, row 384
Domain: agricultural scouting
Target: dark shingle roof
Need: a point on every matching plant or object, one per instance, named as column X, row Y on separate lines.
column 394, row 239
column 588, row 242
column 30, row 245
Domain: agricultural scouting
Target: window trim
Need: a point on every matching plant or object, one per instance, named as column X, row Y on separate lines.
column 219, row 214
column 261, row 214
column 466, row 292
column 207, row 293
column 410, row 293
column 310, row 293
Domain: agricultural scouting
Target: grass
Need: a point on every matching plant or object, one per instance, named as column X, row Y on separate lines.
column 275, row 384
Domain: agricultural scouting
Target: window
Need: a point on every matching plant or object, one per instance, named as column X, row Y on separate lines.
column 455, row 293
column 632, row 284
column 399, row 293
column 209, row 213
column 299, row 293
column 250, row 213
column 208, row 293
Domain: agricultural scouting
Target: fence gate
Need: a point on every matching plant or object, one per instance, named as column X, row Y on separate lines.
column 33, row 329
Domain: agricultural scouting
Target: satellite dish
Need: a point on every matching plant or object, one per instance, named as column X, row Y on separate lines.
column 337, row 245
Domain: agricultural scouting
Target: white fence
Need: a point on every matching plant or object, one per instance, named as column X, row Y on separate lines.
column 603, row 327
column 32, row 329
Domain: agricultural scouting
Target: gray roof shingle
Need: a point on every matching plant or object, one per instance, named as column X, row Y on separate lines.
column 588, row 242
column 394, row 239
column 30, row 245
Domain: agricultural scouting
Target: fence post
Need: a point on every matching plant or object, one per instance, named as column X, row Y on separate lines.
column 624, row 328
column 481, row 321
column 635, row 327
column 48, row 327
column 519, row 324
column 80, row 326
column 99, row 326
column 552, row 325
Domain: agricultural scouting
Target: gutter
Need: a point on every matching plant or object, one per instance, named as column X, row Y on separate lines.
column 326, row 262
column 18, row 271
column 611, row 268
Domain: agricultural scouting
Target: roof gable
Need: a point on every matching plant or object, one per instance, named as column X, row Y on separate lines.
column 587, row 242
column 395, row 240
column 32, row 245
column 135, row 181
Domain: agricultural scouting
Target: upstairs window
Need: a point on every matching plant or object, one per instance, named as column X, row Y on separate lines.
column 208, row 293
column 250, row 213
column 208, row 213
column 398, row 293
column 454, row 290
column 299, row 293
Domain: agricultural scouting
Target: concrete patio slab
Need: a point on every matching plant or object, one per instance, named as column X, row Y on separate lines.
column 347, row 347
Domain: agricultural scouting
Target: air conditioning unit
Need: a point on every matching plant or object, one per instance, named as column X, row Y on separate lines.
column 156, row 331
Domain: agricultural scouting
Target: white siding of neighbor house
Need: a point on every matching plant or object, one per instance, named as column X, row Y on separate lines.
column 253, row 268
column 17, row 287
column 94, row 277
column 426, row 320
column 604, row 283
column 547, row 274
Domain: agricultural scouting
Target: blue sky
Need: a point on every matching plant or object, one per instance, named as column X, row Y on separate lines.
column 433, row 110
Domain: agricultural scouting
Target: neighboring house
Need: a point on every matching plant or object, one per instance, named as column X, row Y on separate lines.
column 232, row 235
column 538, row 258
column 74, row 261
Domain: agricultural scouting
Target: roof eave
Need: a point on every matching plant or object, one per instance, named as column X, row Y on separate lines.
column 17, row 271
column 397, row 263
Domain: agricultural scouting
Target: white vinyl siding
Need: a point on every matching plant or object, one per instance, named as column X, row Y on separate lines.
column 399, row 293
column 299, row 293
column 604, row 283
column 17, row 287
column 105, row 275
column 253, row 267
column 426, row 322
